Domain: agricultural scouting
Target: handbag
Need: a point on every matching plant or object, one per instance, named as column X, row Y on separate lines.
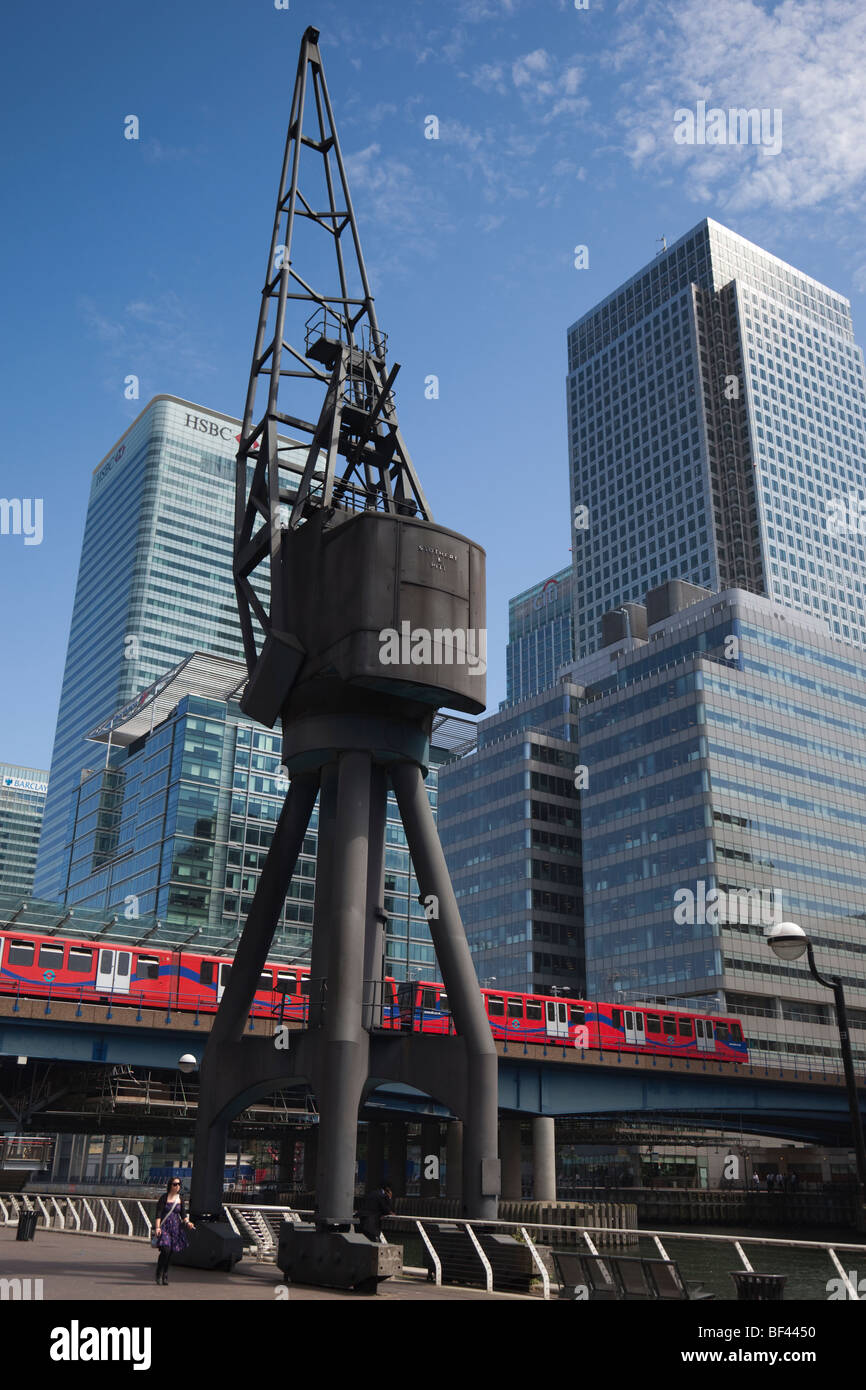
column 154, row 1240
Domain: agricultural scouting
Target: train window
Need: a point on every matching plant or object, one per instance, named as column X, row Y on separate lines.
column 443, row 1004
column 736, row 1032
column 533, row 1008
column 304, row 985
column 51, row 955
column 267, row 981
column 669, row 1024
column 495, row 1005
column 285, row 984
column 653, row 1023
column 428, row 999
column 515, row 1008
column 722, row 1033
column 576, row 1013
column 205, row 974
column 148, row 968
column 616, row 1017
column 123, row 962
column 80, row 962
column 686, row 1030
column 20, row 953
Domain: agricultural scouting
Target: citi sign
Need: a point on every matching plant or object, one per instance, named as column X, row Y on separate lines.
column 547, row 595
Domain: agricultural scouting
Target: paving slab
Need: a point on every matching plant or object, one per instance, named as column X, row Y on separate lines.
column 95, row 1269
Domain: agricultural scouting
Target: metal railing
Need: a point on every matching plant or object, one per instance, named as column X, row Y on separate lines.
column 452, row 1250
column 124, row 1217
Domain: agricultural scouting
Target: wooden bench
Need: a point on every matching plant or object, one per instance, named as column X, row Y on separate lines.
column 598, row 1277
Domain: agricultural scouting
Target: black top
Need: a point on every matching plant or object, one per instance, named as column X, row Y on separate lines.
column 161, row 1208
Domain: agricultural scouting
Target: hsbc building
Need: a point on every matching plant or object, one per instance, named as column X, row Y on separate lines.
column 154, row 584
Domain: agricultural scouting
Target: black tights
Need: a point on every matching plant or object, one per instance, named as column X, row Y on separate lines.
column 163, row 1262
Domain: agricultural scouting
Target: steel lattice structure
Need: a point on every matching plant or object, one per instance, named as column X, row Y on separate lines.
column 356, row 458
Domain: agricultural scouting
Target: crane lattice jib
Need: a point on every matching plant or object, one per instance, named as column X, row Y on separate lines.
column 311, row 339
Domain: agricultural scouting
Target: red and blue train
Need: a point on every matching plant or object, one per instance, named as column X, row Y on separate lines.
column 42, row 965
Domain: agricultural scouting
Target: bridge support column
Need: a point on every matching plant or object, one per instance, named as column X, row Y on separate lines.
column 375, row 1156
column 311, row 1157
column 509, row 1145
column 454, row 1159
column 544, row 1158
column 430, row 1142
column 397, row 1159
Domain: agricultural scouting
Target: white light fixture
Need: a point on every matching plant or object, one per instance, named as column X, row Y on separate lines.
column 187, row 1062
column 787, row 940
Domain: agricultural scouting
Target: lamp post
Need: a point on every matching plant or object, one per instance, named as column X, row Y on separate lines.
column 789, row 942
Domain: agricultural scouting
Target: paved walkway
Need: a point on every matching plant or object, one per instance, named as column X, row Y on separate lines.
column 96, row 1269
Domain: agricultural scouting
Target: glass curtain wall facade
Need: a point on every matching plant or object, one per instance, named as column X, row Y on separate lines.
column 725, row 793
column 509, row 824
column 540, row 636
column 717, row 428
column 178, row 825
column 154, row 584
column 22, row 802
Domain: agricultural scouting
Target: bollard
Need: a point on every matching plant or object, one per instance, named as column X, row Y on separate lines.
column 759, row 1288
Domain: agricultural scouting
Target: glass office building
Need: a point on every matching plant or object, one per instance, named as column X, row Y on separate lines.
column 176, row 824
column 509, row 825
column 540, row 636
column 717, row 427
column 154, row 584
column 725, row 757
column 22, row 802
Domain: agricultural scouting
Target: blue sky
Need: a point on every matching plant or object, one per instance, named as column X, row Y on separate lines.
column 555, row 129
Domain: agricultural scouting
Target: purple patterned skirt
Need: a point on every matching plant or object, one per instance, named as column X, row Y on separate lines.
column 172, row 1235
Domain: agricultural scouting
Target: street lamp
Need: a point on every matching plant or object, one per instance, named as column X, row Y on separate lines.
column 789, row 942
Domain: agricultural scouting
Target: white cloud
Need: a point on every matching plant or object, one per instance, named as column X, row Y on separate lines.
column 490, row 77
column 528, row 72
column 155, row 339
column 474, row 11
column 804, row 57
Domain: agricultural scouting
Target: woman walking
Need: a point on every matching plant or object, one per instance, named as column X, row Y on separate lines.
column 171, row 1218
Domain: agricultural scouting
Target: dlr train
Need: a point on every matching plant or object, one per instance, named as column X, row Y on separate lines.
column 48, row 966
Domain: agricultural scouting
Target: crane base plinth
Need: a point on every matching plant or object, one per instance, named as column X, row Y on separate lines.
column 335, row 1259
column 212, row 1245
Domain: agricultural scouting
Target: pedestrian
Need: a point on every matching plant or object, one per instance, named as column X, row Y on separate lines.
column 756, row 1181
column 171, row 1218
column 780, row 1182
column 376, row 1205
column 792, row 1182
column 769, row 1179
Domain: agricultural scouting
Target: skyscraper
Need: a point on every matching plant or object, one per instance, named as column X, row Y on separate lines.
column 717, row 425
column 724, row 795
column 22, row 799
column 509, row 825
column 154, row 584
column 540, row 636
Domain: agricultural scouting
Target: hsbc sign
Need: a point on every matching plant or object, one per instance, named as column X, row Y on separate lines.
column 107, row 467
column 215, row 429
column 203, row 425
